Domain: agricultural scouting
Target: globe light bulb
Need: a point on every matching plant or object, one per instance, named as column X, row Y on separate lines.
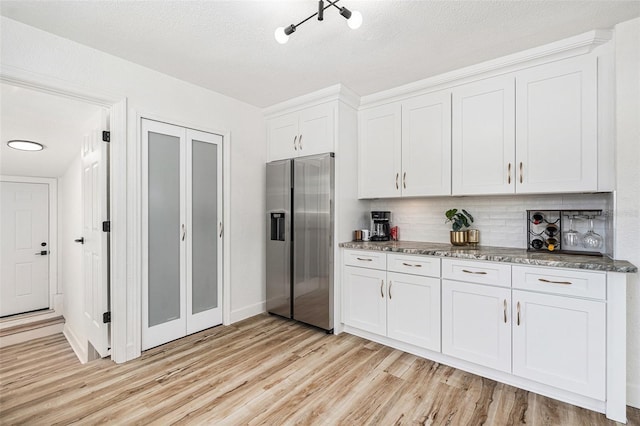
column 355, row 21
column 280, row 35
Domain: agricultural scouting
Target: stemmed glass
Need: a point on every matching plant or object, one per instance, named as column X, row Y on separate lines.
column 591, row 240
column 571, row 237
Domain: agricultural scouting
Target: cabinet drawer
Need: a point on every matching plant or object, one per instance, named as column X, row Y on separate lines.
column 491, row 273
column 561, row 281
column 416, row 265
column 366, row 259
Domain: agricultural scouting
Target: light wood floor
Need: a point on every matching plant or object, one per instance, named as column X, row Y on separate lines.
column 264, row 370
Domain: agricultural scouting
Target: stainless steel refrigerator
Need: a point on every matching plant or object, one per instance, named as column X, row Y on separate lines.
column 300, row 239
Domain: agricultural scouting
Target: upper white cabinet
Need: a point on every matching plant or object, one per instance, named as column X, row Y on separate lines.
column 483, row 147
column 405, row 148
column 380, row 151
column 556, row 127
column 305, row 132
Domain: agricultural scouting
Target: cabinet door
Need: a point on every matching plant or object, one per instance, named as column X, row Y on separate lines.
column 283, row 137
column 365, row 299
column 556, row 127
column 380, row 152
column 426, row 145
column 476, row 324
column 560, row 341
column 413, row 310
column 316, row 133
column 483, row 146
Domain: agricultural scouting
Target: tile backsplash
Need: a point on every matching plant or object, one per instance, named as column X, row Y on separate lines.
column 500, row 219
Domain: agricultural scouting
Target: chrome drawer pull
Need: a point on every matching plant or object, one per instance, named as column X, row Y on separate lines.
column 504, row 305
column 518, row 308
column 555, row 282
column 413, row 266
column 381, row 285
column 472, row 272
column 365, row 260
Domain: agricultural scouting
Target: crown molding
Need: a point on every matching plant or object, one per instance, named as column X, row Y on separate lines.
column 337, row 92
column 573, row 46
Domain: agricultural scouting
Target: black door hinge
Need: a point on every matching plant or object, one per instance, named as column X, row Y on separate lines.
column 106, row 226
column 106, row 317
column 106, row 136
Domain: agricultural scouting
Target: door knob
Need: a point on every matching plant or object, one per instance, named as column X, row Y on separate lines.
column 42, row 253
column 80, row 240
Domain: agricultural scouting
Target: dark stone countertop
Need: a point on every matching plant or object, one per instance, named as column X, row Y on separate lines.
column 498, row 254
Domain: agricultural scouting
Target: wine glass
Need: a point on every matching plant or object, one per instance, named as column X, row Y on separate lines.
column 591, row 240
column 571, row 237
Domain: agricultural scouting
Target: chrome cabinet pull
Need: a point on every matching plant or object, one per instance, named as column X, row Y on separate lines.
column 184, row 232
column 509, row 173
column 300, row 142
column 413, row 266
column 555, row 282
column 397, row 175
column 221, row 228
column 404, row 180
column 381, row 285
column 473, row 272
column 390, row 284
column 295, row 139
column 504, row 305
column 518, row 307
column 363, row 259
column 521, row 172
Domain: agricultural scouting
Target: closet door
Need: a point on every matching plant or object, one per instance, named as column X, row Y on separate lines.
column 163, row 234
column 204, row 230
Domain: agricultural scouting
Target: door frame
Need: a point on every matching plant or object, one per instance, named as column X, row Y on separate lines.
column 55, row 294
column 136, row 317
column 125, row 342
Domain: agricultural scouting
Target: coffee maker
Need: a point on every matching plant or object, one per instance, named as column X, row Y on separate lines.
column 380, row 226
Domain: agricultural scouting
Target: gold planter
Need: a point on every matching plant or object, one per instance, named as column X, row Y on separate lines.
column 459, row 238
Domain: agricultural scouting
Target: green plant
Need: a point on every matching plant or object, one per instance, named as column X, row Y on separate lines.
column 458, row 219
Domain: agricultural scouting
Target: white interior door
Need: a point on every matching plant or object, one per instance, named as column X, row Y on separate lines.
column 95, row 253
column 182, row 232
column 24, row 236
column 204, row 230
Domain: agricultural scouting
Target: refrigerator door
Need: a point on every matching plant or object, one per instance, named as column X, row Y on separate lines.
column 278, row 218
column 313, row 183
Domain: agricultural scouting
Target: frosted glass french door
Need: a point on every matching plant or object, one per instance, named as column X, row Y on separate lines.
column 182, row 238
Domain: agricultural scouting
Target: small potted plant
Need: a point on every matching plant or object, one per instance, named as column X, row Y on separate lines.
column 459, row 221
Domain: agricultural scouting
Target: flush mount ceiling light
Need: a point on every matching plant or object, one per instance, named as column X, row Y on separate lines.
column 25, row 145
column 354, row 20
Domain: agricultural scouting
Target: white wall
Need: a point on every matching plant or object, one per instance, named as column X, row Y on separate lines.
column 150, row 92
column 627, row 245
column 70, row 219
column 500, row 219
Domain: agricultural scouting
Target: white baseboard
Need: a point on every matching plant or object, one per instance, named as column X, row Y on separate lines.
column 58, row 303
column 633, row 394
column 76, row 344
column 248, row 312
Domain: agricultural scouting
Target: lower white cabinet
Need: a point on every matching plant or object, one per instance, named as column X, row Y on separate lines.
column 560, row 341
column 364, row 303
column 403, row 307
column 476, row 323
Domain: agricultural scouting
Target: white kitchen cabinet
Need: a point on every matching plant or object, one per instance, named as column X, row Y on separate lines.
column 556, row 127
column 476, row 323
column 426, row 145
column 380, row 151
column 413, row 310
column 308, row 131
column 483, row 129
column 365, row 303
column 405, row 148
column 560, row 341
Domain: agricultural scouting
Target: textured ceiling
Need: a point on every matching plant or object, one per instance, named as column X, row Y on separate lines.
column 56, row 122
column 228, row 46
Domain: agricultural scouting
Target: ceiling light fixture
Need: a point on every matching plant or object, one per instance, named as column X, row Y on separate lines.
column 354, row 20
column 25, row 145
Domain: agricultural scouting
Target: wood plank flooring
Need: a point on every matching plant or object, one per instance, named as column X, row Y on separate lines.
column 264, row 370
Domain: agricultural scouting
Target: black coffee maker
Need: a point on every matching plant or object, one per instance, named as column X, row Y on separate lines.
column 380, row 226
